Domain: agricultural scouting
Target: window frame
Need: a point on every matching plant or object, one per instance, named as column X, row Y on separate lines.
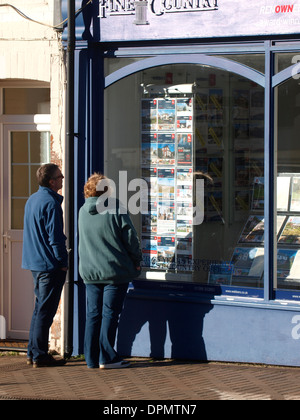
column 208, row 55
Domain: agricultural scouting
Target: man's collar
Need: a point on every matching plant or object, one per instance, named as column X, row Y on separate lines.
column 54, row 193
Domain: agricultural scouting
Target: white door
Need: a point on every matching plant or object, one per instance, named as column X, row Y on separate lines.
column 24, row 150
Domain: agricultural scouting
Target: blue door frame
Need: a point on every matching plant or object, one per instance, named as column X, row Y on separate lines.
column 88, row 153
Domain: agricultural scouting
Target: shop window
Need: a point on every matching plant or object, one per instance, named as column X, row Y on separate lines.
column 287, row 126
column 172, row 126
column 21, row 101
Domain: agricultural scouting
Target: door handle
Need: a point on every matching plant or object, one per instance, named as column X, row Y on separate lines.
column 6, row 238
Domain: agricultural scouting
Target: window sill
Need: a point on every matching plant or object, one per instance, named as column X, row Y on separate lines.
column 188, row 293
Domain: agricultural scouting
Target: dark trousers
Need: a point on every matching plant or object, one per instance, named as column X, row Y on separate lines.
column 47, row 288
column 104, row 305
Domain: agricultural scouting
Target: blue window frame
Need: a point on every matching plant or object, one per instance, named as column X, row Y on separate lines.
column 213, row 57
column 269, row 81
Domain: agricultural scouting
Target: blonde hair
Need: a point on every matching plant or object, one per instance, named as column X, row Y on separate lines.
column 90, row 187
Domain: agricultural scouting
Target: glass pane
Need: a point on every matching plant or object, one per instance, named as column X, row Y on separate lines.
column 39, row 147
column 34, row 186
column 114, row 64
column 20, row 101
column 255, row 61
column 201, row 124
column 17, row 213
column 24, row 165
column 285, row 60
column 19, row 147
column 288, row 185
column 19, row 181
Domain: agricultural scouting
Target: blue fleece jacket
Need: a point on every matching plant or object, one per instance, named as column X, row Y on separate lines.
column 44, row 242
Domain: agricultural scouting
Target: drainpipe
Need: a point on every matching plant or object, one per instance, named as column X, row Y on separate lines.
column 69, row 285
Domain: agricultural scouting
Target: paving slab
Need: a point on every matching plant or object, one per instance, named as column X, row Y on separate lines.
column 147, row 380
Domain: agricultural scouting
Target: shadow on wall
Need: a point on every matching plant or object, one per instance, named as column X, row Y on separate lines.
column 175, row 329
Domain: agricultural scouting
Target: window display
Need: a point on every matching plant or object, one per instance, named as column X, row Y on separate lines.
column 247, row 260
column 288, row 181
column 167, row 166
column 288, row 222
column 190, row 124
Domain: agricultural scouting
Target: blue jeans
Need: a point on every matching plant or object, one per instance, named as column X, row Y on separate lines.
column 47, row 288
column 104, row 305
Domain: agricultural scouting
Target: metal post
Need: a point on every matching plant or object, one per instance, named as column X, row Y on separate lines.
column 270, row 178
column 69, row 286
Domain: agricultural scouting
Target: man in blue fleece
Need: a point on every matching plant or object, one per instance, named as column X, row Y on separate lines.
column 45, row 254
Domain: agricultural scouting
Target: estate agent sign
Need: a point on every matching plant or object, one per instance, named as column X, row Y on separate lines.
column 130, row 20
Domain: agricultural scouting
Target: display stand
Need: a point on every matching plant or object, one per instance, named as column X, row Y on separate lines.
column 167, row 124
column 247, row 262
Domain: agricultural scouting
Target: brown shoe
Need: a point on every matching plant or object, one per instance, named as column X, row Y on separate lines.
column 49, row 361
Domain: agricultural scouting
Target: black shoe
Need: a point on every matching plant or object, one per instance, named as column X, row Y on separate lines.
column 49, row 361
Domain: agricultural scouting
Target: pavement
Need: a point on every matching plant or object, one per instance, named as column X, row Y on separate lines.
column 147, row 380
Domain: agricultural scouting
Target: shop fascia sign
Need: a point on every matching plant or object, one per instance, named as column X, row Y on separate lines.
column 137, row 20
column 156, row 7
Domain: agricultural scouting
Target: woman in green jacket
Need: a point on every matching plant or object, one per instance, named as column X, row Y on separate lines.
column 109, row 258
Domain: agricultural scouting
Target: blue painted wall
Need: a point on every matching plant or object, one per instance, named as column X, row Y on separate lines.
column 171, row 327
